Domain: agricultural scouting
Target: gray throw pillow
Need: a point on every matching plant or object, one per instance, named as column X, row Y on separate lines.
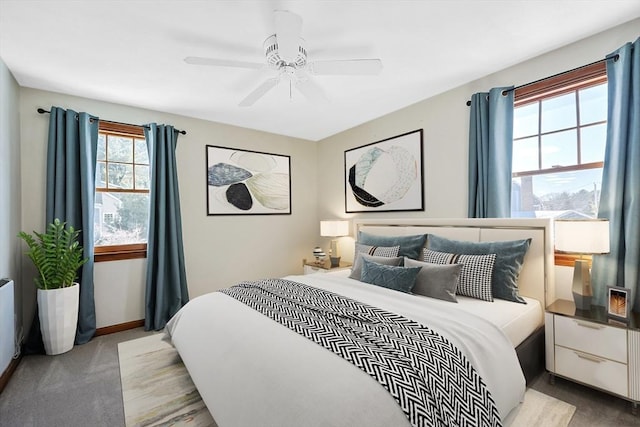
column 356, row 270
column 509, row 260
column 476, row 273
column 379, row 251
column 436, row 280
column 387, row 276
column 410, row 246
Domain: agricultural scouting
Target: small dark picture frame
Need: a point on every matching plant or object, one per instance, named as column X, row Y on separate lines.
column 618, row 303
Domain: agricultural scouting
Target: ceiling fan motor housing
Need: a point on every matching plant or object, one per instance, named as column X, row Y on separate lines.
column 273, row 56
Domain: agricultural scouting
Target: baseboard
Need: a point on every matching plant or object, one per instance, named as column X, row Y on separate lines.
column 6, row 375
column 119, row 327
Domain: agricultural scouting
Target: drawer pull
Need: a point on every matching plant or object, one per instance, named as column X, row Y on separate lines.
column 589, row 325
column 589, row 358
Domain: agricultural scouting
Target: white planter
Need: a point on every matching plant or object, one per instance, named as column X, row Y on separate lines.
column 58, row 313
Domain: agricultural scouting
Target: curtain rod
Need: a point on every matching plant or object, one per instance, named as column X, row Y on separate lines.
column 42, row 111
column 614, row 57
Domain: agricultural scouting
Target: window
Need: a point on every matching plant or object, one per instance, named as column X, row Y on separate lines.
column 122, row 193
column 559, row 135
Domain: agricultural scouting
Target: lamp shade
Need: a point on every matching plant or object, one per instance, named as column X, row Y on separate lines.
column 334, row 228
column 582, row 236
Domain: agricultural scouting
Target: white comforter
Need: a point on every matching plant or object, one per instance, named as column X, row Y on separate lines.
column 251, row 371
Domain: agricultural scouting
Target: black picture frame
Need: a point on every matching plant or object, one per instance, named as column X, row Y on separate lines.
column 246, row 182
column 386, row 175
column 618, row 303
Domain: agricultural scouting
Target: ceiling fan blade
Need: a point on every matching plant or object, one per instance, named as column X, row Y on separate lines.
column 346, row 67
column 258, row 92
column 310, row 90
column 288, row 30
column 196, row 60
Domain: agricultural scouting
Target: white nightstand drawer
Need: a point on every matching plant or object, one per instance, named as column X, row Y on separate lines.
column 596, row 371
column 593, row 338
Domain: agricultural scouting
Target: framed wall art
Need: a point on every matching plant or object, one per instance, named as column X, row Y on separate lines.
column 244, row 182
column 618, row 300
column 386, row 175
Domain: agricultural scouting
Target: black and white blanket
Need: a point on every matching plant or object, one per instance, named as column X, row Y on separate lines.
column 430, row 378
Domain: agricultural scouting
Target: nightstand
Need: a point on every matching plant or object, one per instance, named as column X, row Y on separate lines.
column 311, row 267
column 587, row 347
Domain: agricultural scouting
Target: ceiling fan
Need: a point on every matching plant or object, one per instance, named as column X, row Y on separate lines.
column 286, row 54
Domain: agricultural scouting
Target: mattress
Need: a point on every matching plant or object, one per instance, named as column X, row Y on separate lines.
column 516, row 320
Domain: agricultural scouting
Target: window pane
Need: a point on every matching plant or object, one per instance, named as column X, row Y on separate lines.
column 121, row 218
column 525, row 155
column 120, row 175
column 559, row 149
column 142, row 177
column 102, row 146
column 525, row 120
column 142, row 156
column 593, row 104
column 101, row 175
column 120, row 149
column 559, row 112
column 592, row 142
column 573, row 194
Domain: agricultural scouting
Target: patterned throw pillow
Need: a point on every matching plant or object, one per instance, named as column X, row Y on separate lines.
column 378, row 252
column 410, row 246
column 509, row 261
column 476, row 274
column 387, row 276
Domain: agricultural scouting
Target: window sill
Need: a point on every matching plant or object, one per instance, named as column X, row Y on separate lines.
column 119, row 253
column 569, row 260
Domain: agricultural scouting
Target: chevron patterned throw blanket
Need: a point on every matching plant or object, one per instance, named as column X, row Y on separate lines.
column 432, row 381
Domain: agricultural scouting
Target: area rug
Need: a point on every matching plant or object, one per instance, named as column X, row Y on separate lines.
column 157, row 391
column 156, row 387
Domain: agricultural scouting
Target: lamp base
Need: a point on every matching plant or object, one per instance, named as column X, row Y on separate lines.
column 582, row 302
column 335, row 261
column 581, row 286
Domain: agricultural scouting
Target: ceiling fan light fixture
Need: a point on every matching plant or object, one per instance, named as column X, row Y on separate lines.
column 274, row 59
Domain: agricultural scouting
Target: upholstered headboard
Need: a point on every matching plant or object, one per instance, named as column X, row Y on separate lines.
column 536, row 278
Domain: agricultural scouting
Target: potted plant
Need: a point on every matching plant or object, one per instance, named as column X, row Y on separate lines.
column 57, row 256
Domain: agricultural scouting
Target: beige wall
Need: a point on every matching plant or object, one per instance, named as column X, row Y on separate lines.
column 445, row 120
column 219, row 250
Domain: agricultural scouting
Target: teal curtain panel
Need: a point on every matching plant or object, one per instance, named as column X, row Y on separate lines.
column 620, row 195
column 166, row 283
column 490, row 153
column 70, row 194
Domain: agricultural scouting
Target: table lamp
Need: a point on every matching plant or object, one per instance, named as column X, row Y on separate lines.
column 335, row 228
column 582, row 236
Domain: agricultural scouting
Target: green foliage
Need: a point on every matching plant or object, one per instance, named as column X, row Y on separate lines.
column 56, row 254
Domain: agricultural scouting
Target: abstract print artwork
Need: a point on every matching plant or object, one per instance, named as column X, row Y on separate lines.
column 243, row 182
column 385, row 175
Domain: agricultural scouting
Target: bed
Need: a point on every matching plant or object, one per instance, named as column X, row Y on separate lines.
column 253, row 371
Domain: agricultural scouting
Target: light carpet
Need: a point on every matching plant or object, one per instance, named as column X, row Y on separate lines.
column 157, row 391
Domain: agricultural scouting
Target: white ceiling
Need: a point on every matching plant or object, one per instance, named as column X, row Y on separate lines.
column 131, row 52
